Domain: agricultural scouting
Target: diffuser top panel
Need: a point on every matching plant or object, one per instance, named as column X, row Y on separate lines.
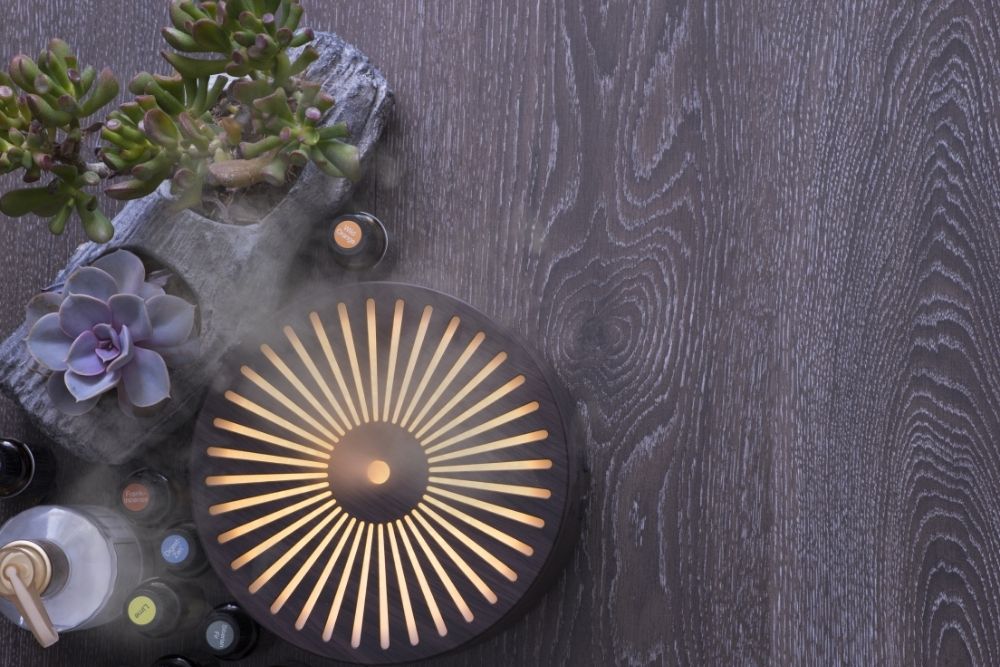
column 384, row 475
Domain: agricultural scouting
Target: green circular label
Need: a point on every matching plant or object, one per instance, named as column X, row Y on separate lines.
column 141, row 610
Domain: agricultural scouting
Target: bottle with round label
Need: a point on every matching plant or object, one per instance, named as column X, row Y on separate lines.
column 27, row 472
column 358, row 240
column 229, row 633
column 157, row 608
column 147, row 497
column 180, row 551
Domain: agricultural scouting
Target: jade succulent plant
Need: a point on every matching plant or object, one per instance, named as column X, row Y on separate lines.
column 110, row 327
column 236, row 111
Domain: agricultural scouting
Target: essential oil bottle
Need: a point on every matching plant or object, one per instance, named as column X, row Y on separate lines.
column 27, row 472
column 183, row 661
column 180, row 551
column 147, row 497
column 73, row 565
column 158, row 608
column 358, row 240
column 229, row 633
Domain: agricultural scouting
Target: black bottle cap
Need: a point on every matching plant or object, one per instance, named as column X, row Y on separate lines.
column 16, row 467
column 358, row 240
column 146, row 496
column 229, row 632
column 178, row 661
column 180, row 551
column 154, row 608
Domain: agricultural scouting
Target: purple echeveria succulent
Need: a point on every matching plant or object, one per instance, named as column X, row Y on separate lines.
column 110, row 327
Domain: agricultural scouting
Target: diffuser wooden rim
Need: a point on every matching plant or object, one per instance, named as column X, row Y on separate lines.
column 385, row 476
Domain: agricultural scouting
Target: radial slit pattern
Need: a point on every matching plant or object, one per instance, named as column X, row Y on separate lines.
column 419, row 398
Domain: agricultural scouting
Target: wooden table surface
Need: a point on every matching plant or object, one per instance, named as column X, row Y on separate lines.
column 760, row 244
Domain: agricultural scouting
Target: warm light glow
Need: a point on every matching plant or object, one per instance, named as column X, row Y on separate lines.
column 270, row 517
column 397, row 327
column 383, row 592
column 418, row 342
column 352, row 356
column 359, row 607
column 516, row 413
column 425, row 588
column 460, row 395
column 338, row 598
column 318, row 379
column 252, row 501
column 460, row 562
column 510, row 386
column 289, row 589
column 378, row 472
column 449, row 333
column 260, row 411
column 394, row 574
column 324, row 342
column 294, row 407
column 320, row 584
column 523, row 439
column 262, row 580
column 279, row 536
column 372, row 355
column 470, row 349
column 442, row 574
column 404, row 593
column 246, row 431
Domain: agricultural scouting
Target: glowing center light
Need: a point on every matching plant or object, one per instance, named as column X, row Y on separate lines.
column 378, row 472
column 356, row 422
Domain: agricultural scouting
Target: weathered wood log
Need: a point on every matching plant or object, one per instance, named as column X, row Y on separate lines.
column 228, row 269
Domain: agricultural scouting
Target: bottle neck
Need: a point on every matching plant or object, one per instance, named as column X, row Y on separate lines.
column 17, row 466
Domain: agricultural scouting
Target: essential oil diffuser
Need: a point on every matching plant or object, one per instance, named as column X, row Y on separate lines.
column 385, row 475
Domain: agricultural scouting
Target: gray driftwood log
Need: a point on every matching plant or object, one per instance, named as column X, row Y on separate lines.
column 229, row 269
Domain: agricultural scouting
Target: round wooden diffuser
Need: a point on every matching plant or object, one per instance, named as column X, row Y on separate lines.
column 385, row 475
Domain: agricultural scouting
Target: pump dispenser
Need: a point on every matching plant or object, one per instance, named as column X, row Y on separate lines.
column 66, row 568
column 25, row 574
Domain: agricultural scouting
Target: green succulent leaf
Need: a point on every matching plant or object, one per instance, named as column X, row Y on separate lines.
column 57, row 225
column 160, row 128
column 44, row 112
column 25, row 200
column 194, row 67
column 344, row 157
column 210, row 36
column 96, row 225
column 87, row 78
column 106, row 90
column 180, row 40
column 133, row 188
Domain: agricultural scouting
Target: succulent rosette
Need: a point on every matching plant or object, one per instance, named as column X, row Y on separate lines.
column 110, row 327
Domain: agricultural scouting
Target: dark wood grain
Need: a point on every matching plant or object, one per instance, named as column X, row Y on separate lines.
column 759, row 243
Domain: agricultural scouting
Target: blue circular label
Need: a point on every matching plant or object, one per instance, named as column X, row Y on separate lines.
column 175, row 549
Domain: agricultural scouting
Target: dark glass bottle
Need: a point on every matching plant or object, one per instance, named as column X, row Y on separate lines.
column 180, row 551
column 229, row 633
column 26, row 472
column 182, row 661
column 358, row 240
column 146, row 497
column 157, row 608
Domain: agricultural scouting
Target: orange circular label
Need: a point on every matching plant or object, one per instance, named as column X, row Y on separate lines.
column 347, row 234
column 135, row 497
